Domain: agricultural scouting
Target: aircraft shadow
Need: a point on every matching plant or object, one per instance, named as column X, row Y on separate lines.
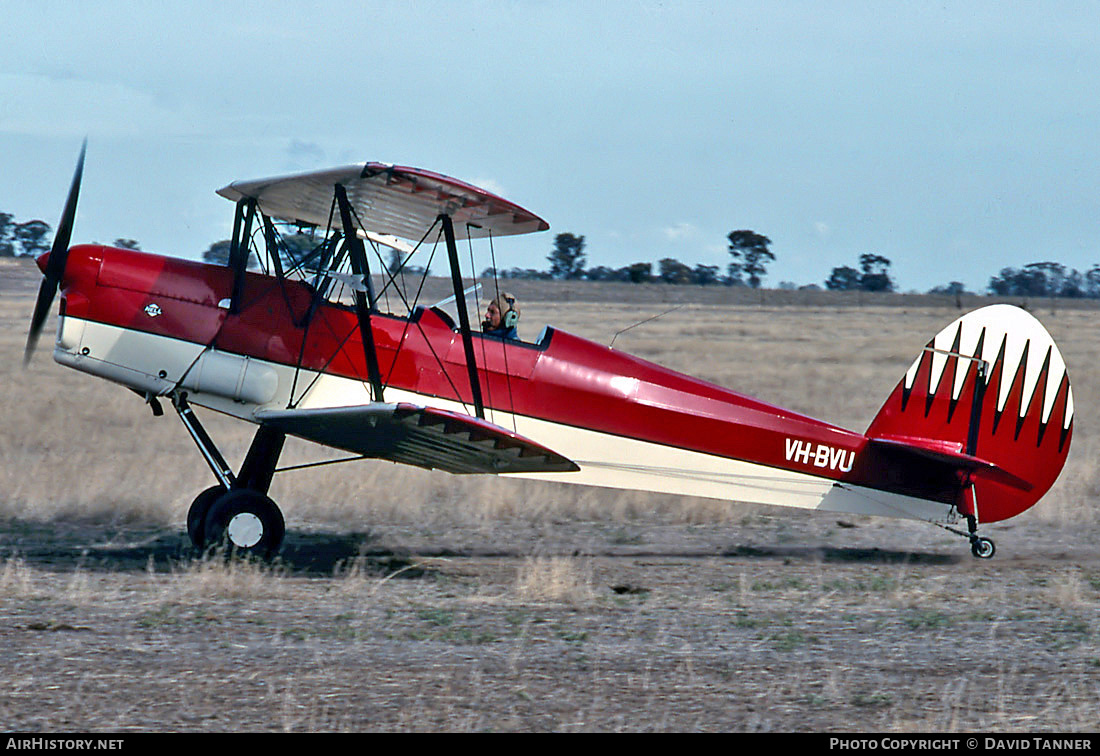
column 324, row 554
column 847, row 554
column 304, row 554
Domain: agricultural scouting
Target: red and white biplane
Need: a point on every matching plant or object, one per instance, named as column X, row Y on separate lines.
column 977, row 430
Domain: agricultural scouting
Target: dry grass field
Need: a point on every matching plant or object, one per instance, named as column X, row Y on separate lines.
column 408, row 600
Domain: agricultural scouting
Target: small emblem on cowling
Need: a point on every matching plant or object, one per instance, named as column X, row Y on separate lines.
column 152, row 310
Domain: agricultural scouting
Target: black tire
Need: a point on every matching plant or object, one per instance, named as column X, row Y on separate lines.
column 245, row 522
column 196, row 515
column 983, row 548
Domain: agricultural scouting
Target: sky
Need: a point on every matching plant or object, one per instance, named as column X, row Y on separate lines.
column 954, row 138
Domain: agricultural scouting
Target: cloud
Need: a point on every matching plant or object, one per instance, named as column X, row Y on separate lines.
column 39, row 105
column 680, row 232
column 304, row 155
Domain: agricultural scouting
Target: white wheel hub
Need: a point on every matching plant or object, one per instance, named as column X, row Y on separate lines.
column 245, row 530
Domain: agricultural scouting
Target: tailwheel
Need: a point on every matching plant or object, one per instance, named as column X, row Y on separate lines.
column 982, row 547
column 246, row 522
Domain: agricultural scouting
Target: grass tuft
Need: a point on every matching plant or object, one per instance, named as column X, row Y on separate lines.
column 557, row 579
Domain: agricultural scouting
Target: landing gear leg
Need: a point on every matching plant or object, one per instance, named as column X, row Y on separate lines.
column 209, row 451
column 237, row 512
column 259, row 464
column 980, row 546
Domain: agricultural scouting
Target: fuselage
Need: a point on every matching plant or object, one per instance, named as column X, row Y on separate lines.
column 159, row 324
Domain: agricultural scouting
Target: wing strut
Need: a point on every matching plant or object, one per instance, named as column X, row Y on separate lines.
column 463, row 316
column 363, row 305
column 272, row 244
column 239, row 249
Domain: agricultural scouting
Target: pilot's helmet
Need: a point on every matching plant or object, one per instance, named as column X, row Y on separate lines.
column 509, row 309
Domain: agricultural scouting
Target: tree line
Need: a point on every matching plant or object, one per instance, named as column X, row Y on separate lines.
column 750, row 254
column 28, row 239
column 32, row 238
column 749, row 257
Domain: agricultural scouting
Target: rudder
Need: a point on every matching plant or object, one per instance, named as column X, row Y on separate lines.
column 992, row 386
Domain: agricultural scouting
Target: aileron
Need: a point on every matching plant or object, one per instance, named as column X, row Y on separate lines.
column 422, row 436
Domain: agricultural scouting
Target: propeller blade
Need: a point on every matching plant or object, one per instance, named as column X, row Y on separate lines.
column 55, row 264
column 41, row 310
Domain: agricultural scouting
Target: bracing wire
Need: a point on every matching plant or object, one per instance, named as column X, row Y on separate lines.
column 642, row 322
column 504, row 347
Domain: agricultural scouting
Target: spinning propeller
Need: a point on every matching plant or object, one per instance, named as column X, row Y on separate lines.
column 55, row 263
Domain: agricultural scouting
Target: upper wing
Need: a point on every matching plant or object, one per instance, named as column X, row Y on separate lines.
column 388, row 199
column 421, row 436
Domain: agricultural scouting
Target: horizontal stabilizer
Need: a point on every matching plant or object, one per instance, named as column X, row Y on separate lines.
column 974, row 466
column 421, row 436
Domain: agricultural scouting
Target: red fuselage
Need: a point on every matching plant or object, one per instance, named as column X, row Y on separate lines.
column 562, row 379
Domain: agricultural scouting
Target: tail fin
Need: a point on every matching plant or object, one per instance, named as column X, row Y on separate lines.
column 990, row 395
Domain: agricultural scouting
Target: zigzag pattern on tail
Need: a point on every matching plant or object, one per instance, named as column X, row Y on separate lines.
column 934, row 404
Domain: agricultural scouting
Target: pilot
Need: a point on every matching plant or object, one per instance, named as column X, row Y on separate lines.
column 501, row 317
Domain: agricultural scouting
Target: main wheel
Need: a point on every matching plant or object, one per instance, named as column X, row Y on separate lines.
column 246, row 522
column 196, row 515
column 982, row 548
